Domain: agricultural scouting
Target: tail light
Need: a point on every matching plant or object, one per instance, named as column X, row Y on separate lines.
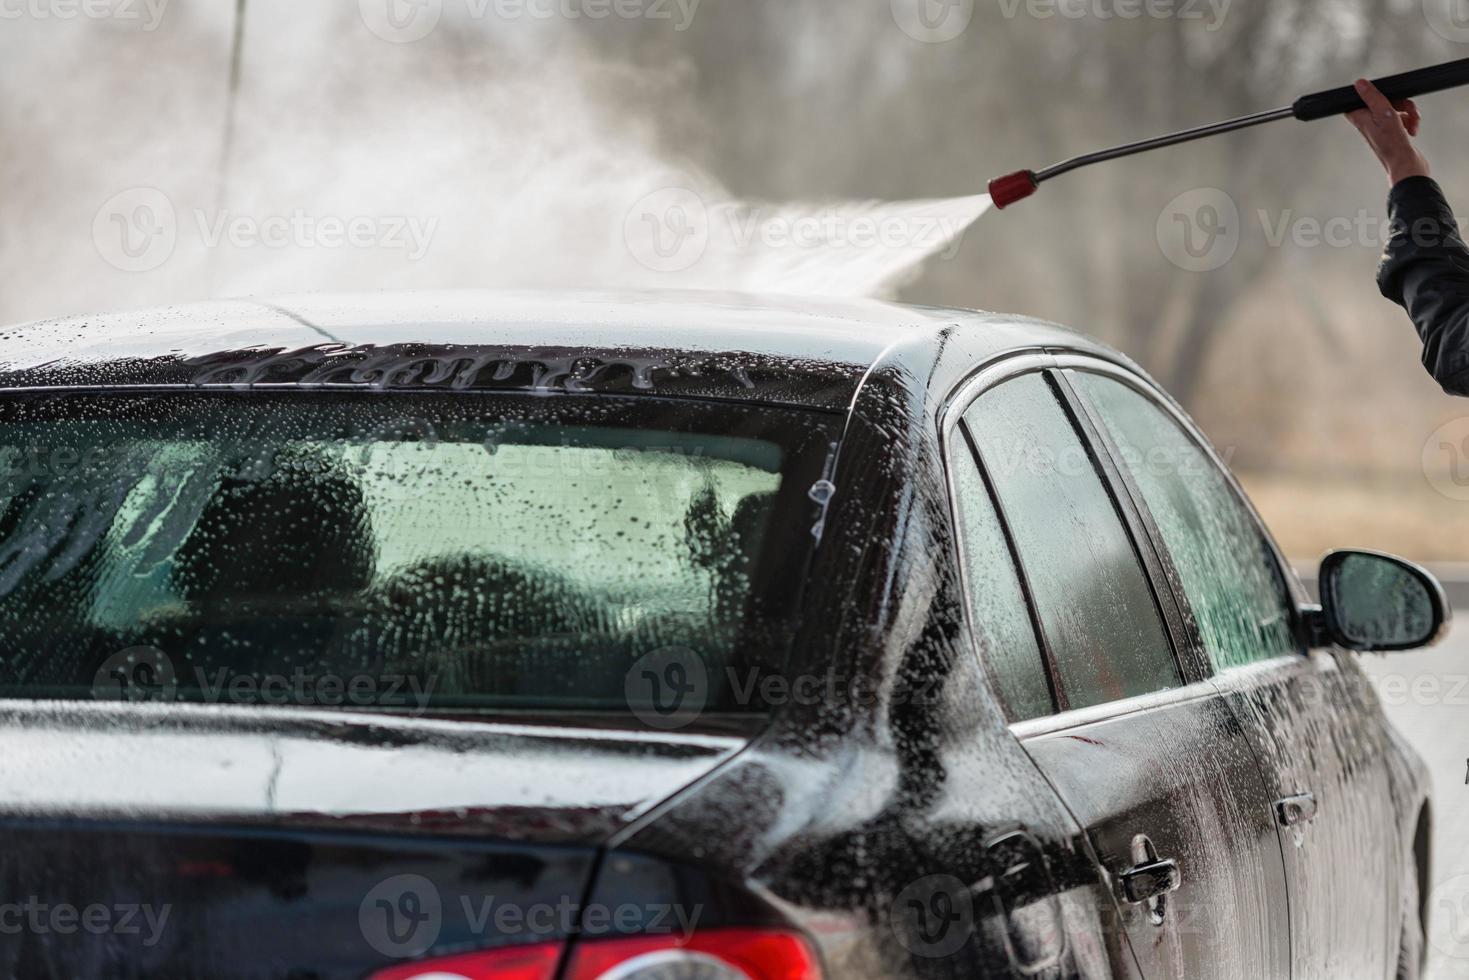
column 718, row 954
column 516, row 963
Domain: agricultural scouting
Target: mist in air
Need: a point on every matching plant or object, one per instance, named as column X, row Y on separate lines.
column 480, row 156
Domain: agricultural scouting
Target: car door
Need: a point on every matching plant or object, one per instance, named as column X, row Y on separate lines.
column 1309, row 714
column 1148, row 757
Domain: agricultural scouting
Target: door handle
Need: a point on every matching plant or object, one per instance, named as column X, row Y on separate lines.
column 1145, row 882
column 1296, row 810
column 1150, row 880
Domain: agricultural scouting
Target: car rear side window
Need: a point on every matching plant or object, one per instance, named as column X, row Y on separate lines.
column 1096, row 609
column 1228, row 569
column 998, row 610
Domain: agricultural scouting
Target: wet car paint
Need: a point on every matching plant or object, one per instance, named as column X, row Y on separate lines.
column 324, row 770
column 1304, row 718
column 189, row 899
column 1209, row 812
column 866, row 818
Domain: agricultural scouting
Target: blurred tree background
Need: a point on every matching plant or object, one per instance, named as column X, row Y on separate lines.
column 528, row 138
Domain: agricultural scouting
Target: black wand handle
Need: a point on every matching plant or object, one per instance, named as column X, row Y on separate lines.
column 1409, row 84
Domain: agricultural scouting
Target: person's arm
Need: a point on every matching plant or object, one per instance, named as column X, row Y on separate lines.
column 1425, row 268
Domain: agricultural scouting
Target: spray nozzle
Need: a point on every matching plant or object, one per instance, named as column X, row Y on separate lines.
column 1012, row 187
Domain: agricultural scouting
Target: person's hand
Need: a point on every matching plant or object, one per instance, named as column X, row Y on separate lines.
column 1389, row 128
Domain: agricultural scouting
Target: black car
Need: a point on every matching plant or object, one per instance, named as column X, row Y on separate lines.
column 670, row 637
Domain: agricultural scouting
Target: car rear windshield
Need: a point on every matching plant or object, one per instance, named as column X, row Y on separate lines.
column 404, row 551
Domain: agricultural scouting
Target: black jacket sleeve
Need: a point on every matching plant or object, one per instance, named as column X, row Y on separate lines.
column 1426, row 271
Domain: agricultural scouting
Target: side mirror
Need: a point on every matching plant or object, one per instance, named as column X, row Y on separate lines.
column 1372, row 601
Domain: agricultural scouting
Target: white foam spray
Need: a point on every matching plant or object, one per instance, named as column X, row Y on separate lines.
column 865, row 248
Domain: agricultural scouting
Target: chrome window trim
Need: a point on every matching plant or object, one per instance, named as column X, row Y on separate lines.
column 1251, row 675
column 1063, row 721
column 989, row 375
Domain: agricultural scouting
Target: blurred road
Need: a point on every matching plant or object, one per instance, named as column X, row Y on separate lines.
column 1426, row 694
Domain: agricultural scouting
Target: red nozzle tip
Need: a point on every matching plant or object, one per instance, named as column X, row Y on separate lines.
column 1006, row 190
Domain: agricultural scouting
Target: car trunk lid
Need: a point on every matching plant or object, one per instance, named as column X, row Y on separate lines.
column 140, row 840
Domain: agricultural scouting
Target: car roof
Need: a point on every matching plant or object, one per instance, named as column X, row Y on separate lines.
column 810, row 351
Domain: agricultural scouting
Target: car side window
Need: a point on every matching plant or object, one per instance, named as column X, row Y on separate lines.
column 1228, row 570
column 998, row 610
column 1096, row 609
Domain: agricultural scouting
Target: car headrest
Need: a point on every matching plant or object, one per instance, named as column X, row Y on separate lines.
column 748, row 523
column 303, row 530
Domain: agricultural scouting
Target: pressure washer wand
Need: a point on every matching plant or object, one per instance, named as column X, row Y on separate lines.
column 1006, row 190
